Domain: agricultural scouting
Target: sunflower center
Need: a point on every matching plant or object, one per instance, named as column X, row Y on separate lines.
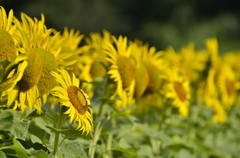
column 230, row 87
column 33, row 71
column 126, row 70
column 78, row 99
column 180, row 91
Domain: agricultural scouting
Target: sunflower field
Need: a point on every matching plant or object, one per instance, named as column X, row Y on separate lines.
column 68, row 95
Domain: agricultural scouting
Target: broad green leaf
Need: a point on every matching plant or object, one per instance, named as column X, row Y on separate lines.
column 2, row 155
column 73, row 133
column 40, row 154
column 15, row 150
column 19, row 128
column 131, row 118
column 38, row 132
column 6, row 119
column 145, row 151
column 70, row 133
column 150, row 132
column 19, row 149
column 72, row 149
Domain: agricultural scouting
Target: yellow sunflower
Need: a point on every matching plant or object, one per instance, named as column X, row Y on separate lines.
column 122, row 71
column 96, row 43
column 70, row 95
column 149, row 67
column 220, row 114
column 70, row 48
column 12, row 74
column 212, row 49
column 178, row 90
column 41, row 47
column 228, row 85
column 191, row 61
column 6, row 20
column 8, row 49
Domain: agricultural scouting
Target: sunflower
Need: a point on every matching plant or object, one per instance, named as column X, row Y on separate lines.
column 220, row 113
column 41, row 48
column 96, row 43
column 68, row 94
column 122, row 71
column 212, row 48
column 191, row 61
column 70, row 48
column 149, row 66
column 178, row 90
column 8, row 49
column 228, row 85
column 12, row 74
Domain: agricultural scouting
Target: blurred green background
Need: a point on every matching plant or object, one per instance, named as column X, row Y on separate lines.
column 159, row 22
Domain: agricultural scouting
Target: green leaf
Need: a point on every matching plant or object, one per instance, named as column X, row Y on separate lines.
column 35, row 114
column 19, row 149
column 19, row 128
column 6, row 119
column 131, row 118
column 2, row 155
column 38, row 132
column 73, row 133
column 72, row 149
column 15, row 150
column 70, row 133
column 152, row 133
column 40, row 154
column 52, row 115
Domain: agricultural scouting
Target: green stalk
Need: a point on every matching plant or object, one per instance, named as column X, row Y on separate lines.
column 57, row 134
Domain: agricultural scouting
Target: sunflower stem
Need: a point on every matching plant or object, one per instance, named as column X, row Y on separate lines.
column 57, row 134
column 104, row 95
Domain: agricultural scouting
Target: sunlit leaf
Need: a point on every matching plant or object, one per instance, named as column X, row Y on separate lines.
column 2, row 155
column 6, row 119
column 72, row 149
column 19, row 128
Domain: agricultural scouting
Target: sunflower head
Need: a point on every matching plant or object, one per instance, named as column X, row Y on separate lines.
column 97, row 69
column 78, row 99
column 68, row 94
column 154, row 78
column 7, row 46
column 142, row 80
column 126, row 70
column 33, row 72
column 49, row 63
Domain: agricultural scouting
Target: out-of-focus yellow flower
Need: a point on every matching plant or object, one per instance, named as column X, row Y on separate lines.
column 178, row 90
column 96, row 43
column 212, row 49
column 149, row 67
column 228, row 85
column 70, row 95
column 70, row 52
column 220, row 114
column 8, row 49
column 122, row 71
column 192, row 62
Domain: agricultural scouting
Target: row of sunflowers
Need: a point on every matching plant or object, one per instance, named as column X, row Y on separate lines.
column 44, row 68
